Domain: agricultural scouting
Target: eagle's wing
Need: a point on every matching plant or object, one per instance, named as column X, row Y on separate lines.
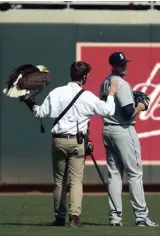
column 33, row 81
column 25, row 79
column 24, row 70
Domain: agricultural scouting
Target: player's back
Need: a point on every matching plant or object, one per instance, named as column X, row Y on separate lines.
column 123, row 97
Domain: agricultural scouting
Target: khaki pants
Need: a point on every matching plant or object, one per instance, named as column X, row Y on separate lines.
column 68, row 161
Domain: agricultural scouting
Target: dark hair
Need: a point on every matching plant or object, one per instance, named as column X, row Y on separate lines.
column 78, row 70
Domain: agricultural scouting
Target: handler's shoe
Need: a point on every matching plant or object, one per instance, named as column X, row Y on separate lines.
column 116, row 224
column 146, row 222
column 59, row 222
column 74, row 221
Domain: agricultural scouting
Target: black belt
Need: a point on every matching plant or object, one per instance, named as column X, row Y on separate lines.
column 63, row 136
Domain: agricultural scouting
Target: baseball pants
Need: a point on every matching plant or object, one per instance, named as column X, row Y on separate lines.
column 68, row 161
column 123, row 152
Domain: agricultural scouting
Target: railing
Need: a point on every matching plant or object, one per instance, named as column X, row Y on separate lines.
column 80, row 5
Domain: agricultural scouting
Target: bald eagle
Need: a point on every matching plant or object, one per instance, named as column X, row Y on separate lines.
column 26, row 80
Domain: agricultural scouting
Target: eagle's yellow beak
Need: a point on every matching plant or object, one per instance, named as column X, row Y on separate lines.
column 42, row 68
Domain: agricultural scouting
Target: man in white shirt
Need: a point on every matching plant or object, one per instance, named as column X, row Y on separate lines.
column 69, row 156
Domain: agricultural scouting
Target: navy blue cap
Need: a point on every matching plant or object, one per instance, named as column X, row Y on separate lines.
column 118, row 58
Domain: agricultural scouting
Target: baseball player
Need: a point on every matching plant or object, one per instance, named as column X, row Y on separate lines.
column 68, row 135
column 122, row 146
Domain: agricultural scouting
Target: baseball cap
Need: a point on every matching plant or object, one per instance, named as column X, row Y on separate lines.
column 118, row 58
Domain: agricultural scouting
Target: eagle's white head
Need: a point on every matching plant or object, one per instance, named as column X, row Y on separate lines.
column 42, row 68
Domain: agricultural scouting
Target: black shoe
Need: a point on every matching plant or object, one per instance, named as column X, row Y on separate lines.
column 59, row 222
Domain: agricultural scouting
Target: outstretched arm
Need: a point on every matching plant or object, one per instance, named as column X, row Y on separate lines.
column 39, row 111
column 43, row 110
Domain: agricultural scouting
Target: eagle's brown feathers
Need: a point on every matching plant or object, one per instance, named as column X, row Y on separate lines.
column 34, row 80
column 26, row 79
column 24, row 70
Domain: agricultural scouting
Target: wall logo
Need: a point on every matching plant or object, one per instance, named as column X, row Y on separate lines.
column 154, row 100
column 144, row 75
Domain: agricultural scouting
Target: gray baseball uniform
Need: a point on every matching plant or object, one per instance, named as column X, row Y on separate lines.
column 123, row 153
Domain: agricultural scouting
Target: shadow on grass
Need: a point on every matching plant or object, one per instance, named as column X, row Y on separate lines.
column 50, row 224
column 27, row 224
column 93, row 224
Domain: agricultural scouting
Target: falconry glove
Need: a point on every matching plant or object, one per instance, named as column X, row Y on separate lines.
column 30, row 102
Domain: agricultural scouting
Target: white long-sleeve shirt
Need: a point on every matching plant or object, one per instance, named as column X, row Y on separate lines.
column 85, row 106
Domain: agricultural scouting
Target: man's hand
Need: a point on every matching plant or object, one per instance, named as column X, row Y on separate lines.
column 89, row 148
column 113, row 88
column 141, row 106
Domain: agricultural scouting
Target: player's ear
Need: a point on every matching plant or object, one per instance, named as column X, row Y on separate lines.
column 113, row 68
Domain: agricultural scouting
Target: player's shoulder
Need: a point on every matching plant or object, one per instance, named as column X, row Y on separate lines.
column 124, row 87
column 125, row 83
column 110, row 78
column 121, row 81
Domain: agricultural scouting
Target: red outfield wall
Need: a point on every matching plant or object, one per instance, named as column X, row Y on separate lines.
column 144, row 75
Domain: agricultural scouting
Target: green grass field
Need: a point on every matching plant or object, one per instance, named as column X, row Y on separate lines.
column 32, row 216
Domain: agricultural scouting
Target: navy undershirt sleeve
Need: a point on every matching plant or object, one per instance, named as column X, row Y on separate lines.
column 128, row 111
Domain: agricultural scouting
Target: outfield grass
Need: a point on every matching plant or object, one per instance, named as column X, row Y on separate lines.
column 32, row 216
